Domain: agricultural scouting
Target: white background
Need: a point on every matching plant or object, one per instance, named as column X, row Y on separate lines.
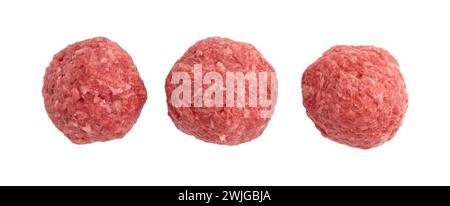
column 290, row 34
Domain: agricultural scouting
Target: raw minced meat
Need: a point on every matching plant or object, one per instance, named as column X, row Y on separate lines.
column 355, row 95
column 221, row 124
column 92, row 91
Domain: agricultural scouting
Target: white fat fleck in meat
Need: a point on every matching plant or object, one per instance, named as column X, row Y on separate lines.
column 106, row 106
column 227, row 51
column 80, row 51
column 80, row 115
column 75, row 94
column 73, row 124
column 121, row 89
column 117, row 105
column 223, row 138
column 87, row 129
column 220, row 67
column 103, row 60
column 84, row 90
column 97, row 99
column 111, row 55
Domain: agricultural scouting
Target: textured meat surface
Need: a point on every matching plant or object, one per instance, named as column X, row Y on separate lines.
column 220, row 125
column 92, row 91
column 355, row 95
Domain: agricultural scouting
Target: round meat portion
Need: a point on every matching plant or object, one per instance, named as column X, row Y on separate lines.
column 227, row 122
column 92, row 91
column 355, row 95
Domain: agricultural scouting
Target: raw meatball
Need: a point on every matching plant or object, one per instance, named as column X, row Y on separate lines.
column 225, row 122
column 92, row 91
column 355, row 95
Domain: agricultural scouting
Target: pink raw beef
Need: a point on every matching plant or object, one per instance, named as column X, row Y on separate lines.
column 92, row 91
column 355, row 95
column 221, row 124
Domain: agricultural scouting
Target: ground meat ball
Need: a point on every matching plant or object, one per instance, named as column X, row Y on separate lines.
column 355, row 95
column 227, row 125
column 92, row 91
